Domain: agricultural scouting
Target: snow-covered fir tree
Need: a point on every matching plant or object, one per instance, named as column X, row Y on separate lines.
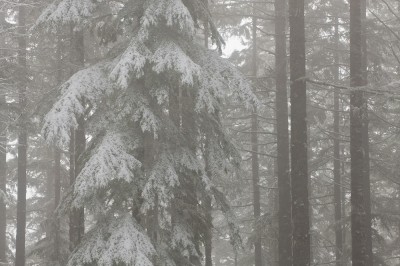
column 151, row 110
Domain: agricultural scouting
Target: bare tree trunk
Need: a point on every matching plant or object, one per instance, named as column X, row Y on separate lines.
column 299, row 174
column 285, row 208
column 22, row 139
column 3, row 182
column 57, row 169
column 78, row 143
column 365, row 133
column 57, row 197
column 336, row 155
column 360, row 227
column 207, row 201
column 254, row 147
column 3, row 164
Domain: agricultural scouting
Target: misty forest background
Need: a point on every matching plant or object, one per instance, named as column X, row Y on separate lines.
column 128, row 139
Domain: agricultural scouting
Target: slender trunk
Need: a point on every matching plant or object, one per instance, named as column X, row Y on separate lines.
column 22, row 139
column 207, row 201
column 298, row 98
column 49, row 191
column 3, row 165
column 360, row 229
column 365, row 136
column 336, row 155
column 57, row 197
column 254, row 155
column 72, row 241
column 285, row 208
column 3, row 182
column 78, row 143
column 343, row 171
column 57, row 169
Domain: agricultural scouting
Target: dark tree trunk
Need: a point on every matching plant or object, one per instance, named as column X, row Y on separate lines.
column 57, row 169
column 207, row 201
column 78, row 143
column 254, row 155
column 367, row 182
column 22, row 139
column 3, row 163
column 285, row 208
column 360, row 227
column 336, row 155
column 298, row 98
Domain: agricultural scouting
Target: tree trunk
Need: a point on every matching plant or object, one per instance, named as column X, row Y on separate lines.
column 57, row 169
column 254, row 155
column 360, row 229
column 285, row 208
column 207, row 201
column 3, row 182
column 78, row 143
column 298, row 98
column 336, row 155
column 57, row 197
column 365, row 133
column 22, row 139
column 3, row 164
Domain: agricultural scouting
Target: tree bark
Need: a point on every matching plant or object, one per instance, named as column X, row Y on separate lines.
column 336, row 155
column 3, row 164
column 365, row 133
column 298, row 98
column 78, row 143
column 360, row 228
column 22, row 139
column 207, row 201
column 285, row 208
column 3, row 182
column 57, row 169
column 254, row 148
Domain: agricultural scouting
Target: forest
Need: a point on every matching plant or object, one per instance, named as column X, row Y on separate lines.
column 199, row 132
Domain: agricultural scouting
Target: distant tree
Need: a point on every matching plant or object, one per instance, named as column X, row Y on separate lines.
column 360, row 194
column 282, row 130
column 299, row 155
column 255, row 166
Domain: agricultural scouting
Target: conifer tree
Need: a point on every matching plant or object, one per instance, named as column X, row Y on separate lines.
column 141, row 169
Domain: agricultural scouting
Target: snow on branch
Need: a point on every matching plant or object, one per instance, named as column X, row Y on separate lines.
column 170, row 56
column 87, row 86
column 108, row 162
column 120, row 241
column 65, row 12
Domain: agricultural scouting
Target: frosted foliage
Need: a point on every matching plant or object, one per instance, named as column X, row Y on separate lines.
column 218, row 79
column 67, row 11
column 185, row 158
column 182, row 240
column 169, row 56
column 130, row 64
column 110, row 161
column 217, row 163
column 174, row 12
column 85, row 87
column 160, row 94
column 120, row 241
column 160, row 184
